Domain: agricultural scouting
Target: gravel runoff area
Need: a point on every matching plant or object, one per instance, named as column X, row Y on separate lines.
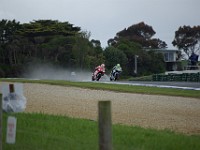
column 150, row 111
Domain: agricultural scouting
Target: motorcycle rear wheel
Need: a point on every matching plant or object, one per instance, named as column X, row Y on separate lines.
column 98, row 76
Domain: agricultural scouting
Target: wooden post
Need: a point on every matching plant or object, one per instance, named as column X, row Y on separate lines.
column 11, row 88
column 105, row 125
column 1, row 124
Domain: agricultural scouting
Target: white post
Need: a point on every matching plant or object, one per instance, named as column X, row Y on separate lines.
column 11, row 130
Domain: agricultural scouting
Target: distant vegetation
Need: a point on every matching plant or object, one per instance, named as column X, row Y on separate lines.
column 65, row 45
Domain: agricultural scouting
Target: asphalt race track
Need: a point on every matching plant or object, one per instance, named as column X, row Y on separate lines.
column 178, row 85
column 183, row 85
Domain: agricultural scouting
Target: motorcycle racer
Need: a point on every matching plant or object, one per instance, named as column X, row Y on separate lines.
column 117, row 68
column 100, row 68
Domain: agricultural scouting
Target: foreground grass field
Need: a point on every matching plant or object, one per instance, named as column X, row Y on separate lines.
column 118, row 88
column 47, row 132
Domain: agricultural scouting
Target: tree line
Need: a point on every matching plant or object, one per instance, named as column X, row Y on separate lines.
column 66, row 45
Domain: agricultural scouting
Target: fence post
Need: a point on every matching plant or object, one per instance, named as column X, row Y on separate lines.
column 1, row 124
column 105, row 125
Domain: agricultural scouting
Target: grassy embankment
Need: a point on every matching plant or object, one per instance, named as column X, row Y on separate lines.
column 40, row 131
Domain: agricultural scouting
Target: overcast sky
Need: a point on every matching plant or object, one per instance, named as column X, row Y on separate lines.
column 104, row 18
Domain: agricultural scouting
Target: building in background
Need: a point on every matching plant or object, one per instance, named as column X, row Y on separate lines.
column 170, row 58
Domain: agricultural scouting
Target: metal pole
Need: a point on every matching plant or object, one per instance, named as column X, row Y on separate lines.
column 135, row 71
column 105, row 125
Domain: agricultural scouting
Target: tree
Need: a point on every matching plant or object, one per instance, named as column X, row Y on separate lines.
column 114, row 56
column 86, row 54
column 188, row 39
column 7, row 32
column 130, row 49
column 47, row 28
column 51, row 40
column 151, row 62
column 140, row 33
column 46, row 41
column 148, row 62
column 96, row 43
column 80, row 51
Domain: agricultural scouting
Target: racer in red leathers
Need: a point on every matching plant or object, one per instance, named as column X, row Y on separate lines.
column 100, row 68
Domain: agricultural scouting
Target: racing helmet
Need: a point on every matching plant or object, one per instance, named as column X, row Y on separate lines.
column 103, row 65
column 118, row 65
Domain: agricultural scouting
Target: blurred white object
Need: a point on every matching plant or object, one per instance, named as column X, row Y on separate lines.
column 13, row 100
column 73, row 73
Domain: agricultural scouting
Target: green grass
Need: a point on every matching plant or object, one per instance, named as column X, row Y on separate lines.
column 114, row 87
column 143, row 78
column 47, row 132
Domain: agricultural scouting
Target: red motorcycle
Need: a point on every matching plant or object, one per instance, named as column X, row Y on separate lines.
column 98, row 73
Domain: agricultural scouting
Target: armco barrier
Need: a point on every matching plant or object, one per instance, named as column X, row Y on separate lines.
column 187, row 77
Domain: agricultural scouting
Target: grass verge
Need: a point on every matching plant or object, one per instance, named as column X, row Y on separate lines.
column 47, row 132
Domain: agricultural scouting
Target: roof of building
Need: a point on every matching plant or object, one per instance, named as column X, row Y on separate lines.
column 163, row 50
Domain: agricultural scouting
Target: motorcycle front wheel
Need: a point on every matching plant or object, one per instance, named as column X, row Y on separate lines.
column 116, row 76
